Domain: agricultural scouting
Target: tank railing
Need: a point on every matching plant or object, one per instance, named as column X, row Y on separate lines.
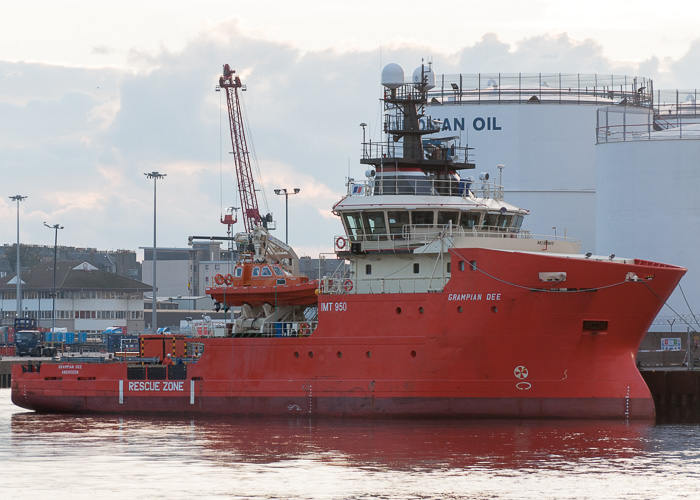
column 543, row 87
column 435, row 149
column 657, row 131
column 670, row 104
column 426, row 187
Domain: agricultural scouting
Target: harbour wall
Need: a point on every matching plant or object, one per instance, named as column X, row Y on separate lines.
column 676, row 394
column 5, row 369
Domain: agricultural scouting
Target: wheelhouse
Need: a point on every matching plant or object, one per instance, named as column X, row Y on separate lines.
column 376, row 225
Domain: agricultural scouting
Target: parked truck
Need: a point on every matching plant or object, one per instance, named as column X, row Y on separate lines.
column 29, row 339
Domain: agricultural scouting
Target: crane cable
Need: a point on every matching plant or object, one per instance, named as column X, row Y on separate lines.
column 249, row 138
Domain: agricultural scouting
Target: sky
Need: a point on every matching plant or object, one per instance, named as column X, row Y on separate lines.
column 95, row 94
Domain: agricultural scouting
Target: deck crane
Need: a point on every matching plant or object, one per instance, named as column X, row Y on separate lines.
column 246, row 185
column 256, row 236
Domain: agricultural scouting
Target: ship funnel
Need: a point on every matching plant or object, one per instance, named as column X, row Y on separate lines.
column 392, row 76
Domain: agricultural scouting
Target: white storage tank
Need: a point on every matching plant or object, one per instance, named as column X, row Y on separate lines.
column 648, row 207
column 543, row 128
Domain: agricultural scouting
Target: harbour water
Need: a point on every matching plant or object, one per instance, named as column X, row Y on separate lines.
column 76, row 457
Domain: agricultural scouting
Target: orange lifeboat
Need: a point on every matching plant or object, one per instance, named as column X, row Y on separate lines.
column 256, row 284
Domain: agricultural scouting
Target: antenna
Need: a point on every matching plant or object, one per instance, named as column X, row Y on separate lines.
column 500, row 167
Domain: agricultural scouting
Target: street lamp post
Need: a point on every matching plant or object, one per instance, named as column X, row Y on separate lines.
column 18, row 198
column 286, row 194
column 154, row 320
column 55, row 227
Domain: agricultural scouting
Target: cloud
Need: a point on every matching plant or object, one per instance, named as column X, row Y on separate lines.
column 684, row 72
column 78, row 141
column 102, row 50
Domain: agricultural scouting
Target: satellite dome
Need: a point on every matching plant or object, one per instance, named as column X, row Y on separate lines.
column 427, row 73
column 392, row 76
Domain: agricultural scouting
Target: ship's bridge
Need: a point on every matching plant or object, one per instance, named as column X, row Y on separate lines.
column 404, row 214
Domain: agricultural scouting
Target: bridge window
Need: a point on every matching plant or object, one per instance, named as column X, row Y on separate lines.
column 491, row 220
column 256, row 271
column 498, row 220
column 468, row 220
column 517, row 221
column 353, row 226
column 266, row 271
column 278, row 271
column 238, row 272
column 504, row 221
column 397, row 220
column 445, row 218
column 375, row 224
column 419, row 217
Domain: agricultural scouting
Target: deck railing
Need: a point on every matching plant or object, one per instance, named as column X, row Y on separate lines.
column 339, row 285
column 467, row 187
column 413, row 235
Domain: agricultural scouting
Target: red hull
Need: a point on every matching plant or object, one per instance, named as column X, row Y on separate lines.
column 496, row 343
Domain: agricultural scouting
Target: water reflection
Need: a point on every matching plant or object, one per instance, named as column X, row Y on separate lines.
column 398, row 445
column 67, row 456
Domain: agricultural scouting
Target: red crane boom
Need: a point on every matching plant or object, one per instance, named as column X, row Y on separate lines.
column 241, row 158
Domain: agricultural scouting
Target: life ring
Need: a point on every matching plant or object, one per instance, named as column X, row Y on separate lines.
column 340, row 243
column 219, row 279
column 228, row 279
column 304, row 329
column 347, row 285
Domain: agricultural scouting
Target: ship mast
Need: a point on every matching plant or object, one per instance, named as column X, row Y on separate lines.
column 405, row 124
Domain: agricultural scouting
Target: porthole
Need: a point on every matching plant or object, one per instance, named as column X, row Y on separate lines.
column 311, row 354
column 459, row 308
column 420, row 310
column 398, row 310
column 494, row 309
column 413, row 354
column 339, row 354
column 296, row 354
column 368, row 354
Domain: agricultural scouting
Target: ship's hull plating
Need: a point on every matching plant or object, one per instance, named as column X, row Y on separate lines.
column 496, row 342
